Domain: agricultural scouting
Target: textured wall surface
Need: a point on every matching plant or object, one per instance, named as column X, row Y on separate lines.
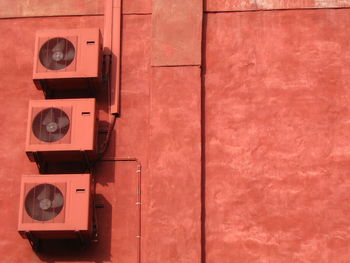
column 118, row 219
column 174, row 176
column 117, row 182
column 11, row 8
column 244, row 5
column 137, row 6
column 277, row 136
column 275, row 126
column 34, row 8
column 177, row 32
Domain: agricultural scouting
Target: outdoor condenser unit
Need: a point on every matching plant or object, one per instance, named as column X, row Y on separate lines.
column 55, row 206
column 61, row 130
column 67, row 59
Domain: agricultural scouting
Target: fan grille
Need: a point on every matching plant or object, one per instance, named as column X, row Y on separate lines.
column 50, row 125
column 57, row 53
column 44, row 202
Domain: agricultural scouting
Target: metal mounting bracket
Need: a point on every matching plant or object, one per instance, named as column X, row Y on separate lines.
column 33, row 241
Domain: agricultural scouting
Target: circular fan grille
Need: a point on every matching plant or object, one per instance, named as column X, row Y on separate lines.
column 57, row 53
column 50, row 125
column 44, row 202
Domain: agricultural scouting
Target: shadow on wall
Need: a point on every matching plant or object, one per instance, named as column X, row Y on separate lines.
column 52, row 251
column 79, row 167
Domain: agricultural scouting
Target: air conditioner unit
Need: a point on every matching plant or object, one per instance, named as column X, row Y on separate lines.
column 61, row 130
column 55, row 206
column 67, row 59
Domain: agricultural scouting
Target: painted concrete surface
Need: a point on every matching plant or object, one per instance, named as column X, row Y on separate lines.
column 243, row 5
column 132, row 133
column 37, row 8
column 277, row 136
column 116, row 189
column 174, row 208
column 137, row 6
column 11, row 8
column 171, row 187
column 176, row 32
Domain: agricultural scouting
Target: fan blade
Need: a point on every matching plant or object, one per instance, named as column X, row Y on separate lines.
column 31, row 211
column 61, row 64
column 54, row 65
column 55, row 136
column 47, row 215
column 57, row 201
column 70, row 55
column 46, row 60
column 44, row 194
column 62, row 122
column 44, row 136
column 59, row 46
column 48, row 118
column 31, row 203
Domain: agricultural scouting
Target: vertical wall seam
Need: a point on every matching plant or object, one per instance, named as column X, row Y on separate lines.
column 203, row 131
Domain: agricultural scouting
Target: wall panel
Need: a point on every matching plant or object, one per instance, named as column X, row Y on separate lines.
column 244, row 5
column 176, row 32
column 37, row 8
column 277, row 136
column 173, row 215
column 118, row 219
column 29, row 8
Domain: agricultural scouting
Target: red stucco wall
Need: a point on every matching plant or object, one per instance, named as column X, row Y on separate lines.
column 277, row 136
column 37, row 8
column 244, row 160
column 117, row 183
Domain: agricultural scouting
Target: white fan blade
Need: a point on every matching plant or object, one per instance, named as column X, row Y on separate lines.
column 57, row 201
column 48, row 118
column 54, row 137
column 59, row 46
column 44, row 136
column 70, row 55
column 62, row 122
column 46, row 61
column 42, row 195
column 47, row 215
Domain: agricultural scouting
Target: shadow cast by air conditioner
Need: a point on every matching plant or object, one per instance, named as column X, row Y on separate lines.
column 52, row 251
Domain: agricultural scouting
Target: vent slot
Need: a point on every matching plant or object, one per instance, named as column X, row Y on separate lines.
column 80, row 190
column 90, row 42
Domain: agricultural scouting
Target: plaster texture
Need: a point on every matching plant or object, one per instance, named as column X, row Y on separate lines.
column 173, row 214
column 246, row 5
column 176, row 32
column 244, row 159
column 43, row 8
column 117, row 183
column 137, row 6
column 277, row 136
column 30, row 8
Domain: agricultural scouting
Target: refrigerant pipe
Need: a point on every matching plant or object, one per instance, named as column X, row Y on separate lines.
column 111, row 51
